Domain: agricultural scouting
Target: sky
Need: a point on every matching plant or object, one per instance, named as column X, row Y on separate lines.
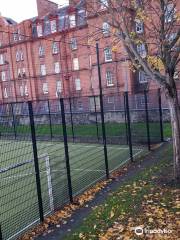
column 20, row 10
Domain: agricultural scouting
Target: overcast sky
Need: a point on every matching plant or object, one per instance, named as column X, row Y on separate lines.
column 20, row 10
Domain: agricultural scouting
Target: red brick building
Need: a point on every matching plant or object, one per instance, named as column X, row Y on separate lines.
column 51, row 56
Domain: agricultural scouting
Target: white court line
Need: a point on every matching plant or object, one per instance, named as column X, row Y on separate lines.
column 115, row 147
column 80, row 169
column 18, row 176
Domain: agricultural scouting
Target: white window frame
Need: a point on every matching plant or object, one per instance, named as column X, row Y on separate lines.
column 18, row 58
column 55, row 48
column 58, row 88
column 15, row 36
column 75, row 64
column 45, row 88
column 53, row 26
column 39, row 30
column 19, row 73
column 142, row 77
column 57, row 67
column 43, row 70
column 3, row 76
column 72, row 21
column 5, row 93
column 169, row 13
column 139, row 26
column 41, row 51
column 21, row 55
column 104, row 4
column 108, row 54
column 141, row 49
column 26, row 93
column 109, row 78
column 1, row 59
column 73, row 43
column 21, row 90
column 106, row 29
column 78, row 84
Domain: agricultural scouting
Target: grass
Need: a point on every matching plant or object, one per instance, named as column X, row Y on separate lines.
column 19, row 207
column 125, row 204
column 90, row 130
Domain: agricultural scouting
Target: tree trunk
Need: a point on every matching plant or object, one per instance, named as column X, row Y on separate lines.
column 175, row 123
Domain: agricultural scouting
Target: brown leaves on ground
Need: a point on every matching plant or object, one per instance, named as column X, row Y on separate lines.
column 58, row 218
column 158, row 218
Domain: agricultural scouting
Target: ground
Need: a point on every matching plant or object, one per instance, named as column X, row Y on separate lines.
column 144, row 197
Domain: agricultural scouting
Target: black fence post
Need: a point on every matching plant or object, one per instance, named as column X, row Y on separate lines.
column 147, row 120
column 126, row 98
column 125, row 118
column 36, row 162
column 14, row 121
column 102, row 113
column 1, row 238
column 160, row 115
column 72, row 123
column 97, row 127
column 50, row 120
column 66, row 150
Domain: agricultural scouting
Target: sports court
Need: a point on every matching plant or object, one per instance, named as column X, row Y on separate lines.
column 18, row 199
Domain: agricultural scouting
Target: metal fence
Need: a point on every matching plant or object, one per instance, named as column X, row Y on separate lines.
column 52, row 150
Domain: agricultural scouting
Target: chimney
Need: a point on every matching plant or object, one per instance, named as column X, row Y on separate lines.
column 45, row 6
column 74, row 2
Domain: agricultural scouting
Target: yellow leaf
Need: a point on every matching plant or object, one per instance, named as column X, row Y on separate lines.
column 111, row 214
column 150, row 220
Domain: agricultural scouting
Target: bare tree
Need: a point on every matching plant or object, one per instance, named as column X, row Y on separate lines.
column 150, row 33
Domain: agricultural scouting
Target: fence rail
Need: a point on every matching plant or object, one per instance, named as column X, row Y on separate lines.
column 74, row 143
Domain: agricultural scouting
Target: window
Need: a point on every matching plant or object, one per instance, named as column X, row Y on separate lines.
column 110, row 99
column 76, row 64
column 53, row 26
column 45, row 88
column 47, row 27
column 78, row 84
column 41, row 51
column 108, row 54
column 39, row 30
column 63, row 22
column 26, row 90
column 56, row 67
column 109, row 78
column 139, row 26
column 24, row 72
column 15, row 36
column 21, row 89
column 5, row 93
column 19, row 73
column 1, row 59
column 22, row 55
column 142, row 50
column 72, row 21
column 20, row 36
column 169, row 12
column 17, row 56
column 104, row 4
column 94, row 103
column 58, row 88
column 106, row 28
column 81, row 18
column 3, row 76
column 55, row 48
column 43, row 70
column 142, row 77
column 73, row 43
